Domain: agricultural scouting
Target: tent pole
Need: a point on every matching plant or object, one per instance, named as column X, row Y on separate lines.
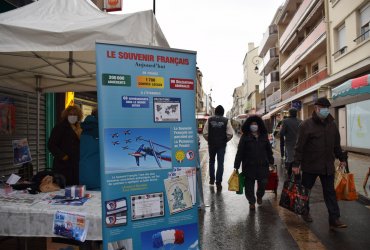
column 153, row 30
column 38, row 90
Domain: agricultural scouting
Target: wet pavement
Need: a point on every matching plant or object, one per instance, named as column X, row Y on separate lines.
column 227, row 223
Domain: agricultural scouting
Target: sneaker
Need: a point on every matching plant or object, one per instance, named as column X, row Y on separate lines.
column 252, row 207
column 211, row 182
column 218, row 184
column 307, row 217
column 337, row 224
column 259, row 201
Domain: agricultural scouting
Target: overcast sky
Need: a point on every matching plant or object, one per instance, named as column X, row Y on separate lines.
column 218, row 30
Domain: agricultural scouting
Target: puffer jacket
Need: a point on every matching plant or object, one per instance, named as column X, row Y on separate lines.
column 255, row 154
column 318, row 144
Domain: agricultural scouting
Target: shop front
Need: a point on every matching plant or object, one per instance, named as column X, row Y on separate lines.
column 351, row 101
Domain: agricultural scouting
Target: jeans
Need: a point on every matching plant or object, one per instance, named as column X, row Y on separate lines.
column 220, row 152
column 327, row 182
column 249, row 189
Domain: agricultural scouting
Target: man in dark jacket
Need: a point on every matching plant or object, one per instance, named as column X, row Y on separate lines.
column 288, row 131
column 318, row 144
column 217, row 131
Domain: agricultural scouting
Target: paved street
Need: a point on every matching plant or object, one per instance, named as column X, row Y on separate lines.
column 227, row 223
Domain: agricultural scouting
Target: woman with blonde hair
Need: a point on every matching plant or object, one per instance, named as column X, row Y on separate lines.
column 64, row 144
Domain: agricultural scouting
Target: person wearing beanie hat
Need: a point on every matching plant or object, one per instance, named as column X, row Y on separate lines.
column 288, row 132
column 217, row 131
column 317, row 146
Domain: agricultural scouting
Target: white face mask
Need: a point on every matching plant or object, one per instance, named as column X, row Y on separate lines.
column 72, row 119
column 254, row 128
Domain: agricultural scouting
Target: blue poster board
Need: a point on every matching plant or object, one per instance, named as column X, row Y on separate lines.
column 146, row 99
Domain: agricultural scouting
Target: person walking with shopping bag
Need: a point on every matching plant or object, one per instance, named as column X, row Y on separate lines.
column 255, row 155
column 317, row 146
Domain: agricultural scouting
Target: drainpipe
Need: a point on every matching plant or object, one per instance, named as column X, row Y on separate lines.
column 328, row 36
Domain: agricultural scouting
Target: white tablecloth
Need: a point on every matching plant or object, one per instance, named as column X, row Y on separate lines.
column 32, row 216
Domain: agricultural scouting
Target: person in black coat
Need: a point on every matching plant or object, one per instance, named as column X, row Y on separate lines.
column 64, row 144
column 255, row 154
column 288, row 131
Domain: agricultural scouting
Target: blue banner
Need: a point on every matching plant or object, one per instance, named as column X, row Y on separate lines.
column 146, row 99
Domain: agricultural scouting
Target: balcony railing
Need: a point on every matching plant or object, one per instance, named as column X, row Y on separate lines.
column 292, row 24
column 299, row 52
column 269, row 37
column 364, row 36
column 274, row 98
column 270, row 78
column 339, row 52
column 312, row 80
column 270, row 59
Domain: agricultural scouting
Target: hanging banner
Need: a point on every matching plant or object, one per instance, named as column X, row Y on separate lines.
column 7, row 115
column 146, row 99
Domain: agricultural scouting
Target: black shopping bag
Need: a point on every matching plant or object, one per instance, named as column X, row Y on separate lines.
column 294, row 196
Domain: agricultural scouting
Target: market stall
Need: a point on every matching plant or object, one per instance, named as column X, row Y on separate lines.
column 51, row 48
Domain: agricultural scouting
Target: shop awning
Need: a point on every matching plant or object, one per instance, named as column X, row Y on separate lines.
column 269, row 114
column 355, row 86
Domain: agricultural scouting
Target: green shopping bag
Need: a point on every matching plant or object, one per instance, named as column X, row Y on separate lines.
column 241, row 183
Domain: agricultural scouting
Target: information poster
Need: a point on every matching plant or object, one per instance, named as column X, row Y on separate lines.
column 358, row 124
column 146, row 99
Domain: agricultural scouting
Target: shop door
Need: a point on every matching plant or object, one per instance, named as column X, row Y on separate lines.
column 342, row 126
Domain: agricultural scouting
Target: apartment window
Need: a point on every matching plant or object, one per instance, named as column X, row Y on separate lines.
column 341, row 42
column 315, row 68
column 364, row 24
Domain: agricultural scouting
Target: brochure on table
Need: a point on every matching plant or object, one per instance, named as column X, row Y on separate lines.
column 146, row 99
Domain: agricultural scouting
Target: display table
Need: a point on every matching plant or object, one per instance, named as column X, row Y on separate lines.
column 28, row 215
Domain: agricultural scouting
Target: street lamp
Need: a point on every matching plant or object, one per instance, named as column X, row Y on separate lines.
column 208, row 98
column 256, row 61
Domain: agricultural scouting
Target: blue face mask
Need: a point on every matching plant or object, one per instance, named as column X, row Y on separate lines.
column 254, row 128
column 324, row 112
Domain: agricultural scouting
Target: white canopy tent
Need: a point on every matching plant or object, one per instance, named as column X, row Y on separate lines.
column 49, row 45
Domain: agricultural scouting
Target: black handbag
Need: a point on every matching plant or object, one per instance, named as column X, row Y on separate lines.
column 294, row 196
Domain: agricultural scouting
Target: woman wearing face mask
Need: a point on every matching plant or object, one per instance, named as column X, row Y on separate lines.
column 64, row 144
column 255, row 154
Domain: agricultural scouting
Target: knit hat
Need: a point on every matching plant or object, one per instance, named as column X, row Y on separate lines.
column 219, row 110
column 293, row 112
column 323, row 101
